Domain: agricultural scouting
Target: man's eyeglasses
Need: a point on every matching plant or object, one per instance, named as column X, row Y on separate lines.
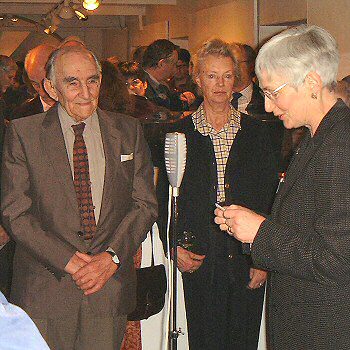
column 273, row 95
column 134, row 83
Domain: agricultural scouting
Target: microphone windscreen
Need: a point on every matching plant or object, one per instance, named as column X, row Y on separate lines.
column 175, row 157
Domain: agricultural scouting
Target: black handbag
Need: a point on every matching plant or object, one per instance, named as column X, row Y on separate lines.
column 151, row 287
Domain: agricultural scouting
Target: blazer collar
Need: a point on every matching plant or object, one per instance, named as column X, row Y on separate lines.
column 309, row 145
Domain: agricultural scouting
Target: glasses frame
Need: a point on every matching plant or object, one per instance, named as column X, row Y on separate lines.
column 273, row 95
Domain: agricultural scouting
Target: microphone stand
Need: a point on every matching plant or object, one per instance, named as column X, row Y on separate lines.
column 174, row 334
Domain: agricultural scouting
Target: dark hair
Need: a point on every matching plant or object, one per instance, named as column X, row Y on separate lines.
column 158, row 50
column 138, row 54
column 114, row 95
column 132, row 69
column 184, row 56
column 249, row 53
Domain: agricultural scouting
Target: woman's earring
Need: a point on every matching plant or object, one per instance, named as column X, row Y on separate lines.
column 314, row 96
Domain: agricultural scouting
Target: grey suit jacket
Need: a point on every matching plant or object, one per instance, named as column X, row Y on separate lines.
column 306, row 243
column 40, row 211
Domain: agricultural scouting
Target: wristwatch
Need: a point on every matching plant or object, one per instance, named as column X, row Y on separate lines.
column 114, row 256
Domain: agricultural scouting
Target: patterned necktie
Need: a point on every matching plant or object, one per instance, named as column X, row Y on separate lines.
column 82, row 184
column 234, row 101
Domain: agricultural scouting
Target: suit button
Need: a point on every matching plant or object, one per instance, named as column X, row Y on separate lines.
column 227, row 185
column 230, row 256
column 80, row 233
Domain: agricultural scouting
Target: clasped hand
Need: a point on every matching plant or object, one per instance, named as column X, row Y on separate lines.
column 91, row 272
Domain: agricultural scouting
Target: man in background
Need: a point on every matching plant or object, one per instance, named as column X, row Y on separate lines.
column 8, row 69
column 34, row 65
column 182, row 81
column 159, row 62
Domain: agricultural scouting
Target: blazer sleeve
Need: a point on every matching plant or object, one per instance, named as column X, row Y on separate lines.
column 133, row 228
column 18, row 209
column 320, row 254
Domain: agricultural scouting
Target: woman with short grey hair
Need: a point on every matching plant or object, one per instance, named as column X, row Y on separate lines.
column 304, row 244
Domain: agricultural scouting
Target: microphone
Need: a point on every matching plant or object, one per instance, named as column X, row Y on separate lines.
column 175, row 159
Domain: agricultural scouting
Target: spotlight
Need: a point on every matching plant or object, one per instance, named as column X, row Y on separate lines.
column 91, row 4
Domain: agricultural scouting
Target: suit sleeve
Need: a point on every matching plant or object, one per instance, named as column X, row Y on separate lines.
column 320, row 254
column 18, row 209
column 143, row 209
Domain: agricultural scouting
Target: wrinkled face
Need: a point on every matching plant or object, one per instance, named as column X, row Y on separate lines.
column 289, row 104
column 77, row 84
column 7, row 77
column 182, row 70
column 136, row 86
column 216, row 79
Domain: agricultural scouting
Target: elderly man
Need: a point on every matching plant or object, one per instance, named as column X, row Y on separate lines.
column 34, row 65
column 78, row 198
column 159, row 62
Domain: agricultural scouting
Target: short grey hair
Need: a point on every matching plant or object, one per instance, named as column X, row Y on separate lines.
column 297, row 51
column 51, row 63
column 214, row 47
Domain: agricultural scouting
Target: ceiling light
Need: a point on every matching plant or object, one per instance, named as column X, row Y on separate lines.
column 81, row 15
column 91, row 4
column 14, row 19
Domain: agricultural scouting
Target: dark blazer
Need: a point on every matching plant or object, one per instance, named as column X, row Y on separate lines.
column 221, row 312
column 305, row 244
column 40, row 211
column 29, row 107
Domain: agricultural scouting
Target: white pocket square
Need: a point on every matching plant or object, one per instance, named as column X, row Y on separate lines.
column 125, row 157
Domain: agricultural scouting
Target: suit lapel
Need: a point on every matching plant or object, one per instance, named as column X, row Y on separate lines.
column 55, row 148
column 111, row 139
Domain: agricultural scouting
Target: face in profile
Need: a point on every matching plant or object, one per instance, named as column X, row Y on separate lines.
column 8, row 77
column 77, row 84
column 216, row 79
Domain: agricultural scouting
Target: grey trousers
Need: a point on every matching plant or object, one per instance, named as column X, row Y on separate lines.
column 83, row 331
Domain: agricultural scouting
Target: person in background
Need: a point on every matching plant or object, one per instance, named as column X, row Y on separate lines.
column 78, row 199
column 248, row 98
column 18, row 331
column 154, row 118
column 34, row 65
column 304, row 244
column 159, row 62
column 114, row 95
column 8, row 70
column 182, row 81
column 343, row 90
column 138, row 54
column 229, row 159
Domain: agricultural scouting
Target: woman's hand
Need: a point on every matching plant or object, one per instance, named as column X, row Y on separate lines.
column 188, row 261
column 240, row 222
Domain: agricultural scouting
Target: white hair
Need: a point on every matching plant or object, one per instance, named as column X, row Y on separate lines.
column 51, row 63
column 297, row 51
